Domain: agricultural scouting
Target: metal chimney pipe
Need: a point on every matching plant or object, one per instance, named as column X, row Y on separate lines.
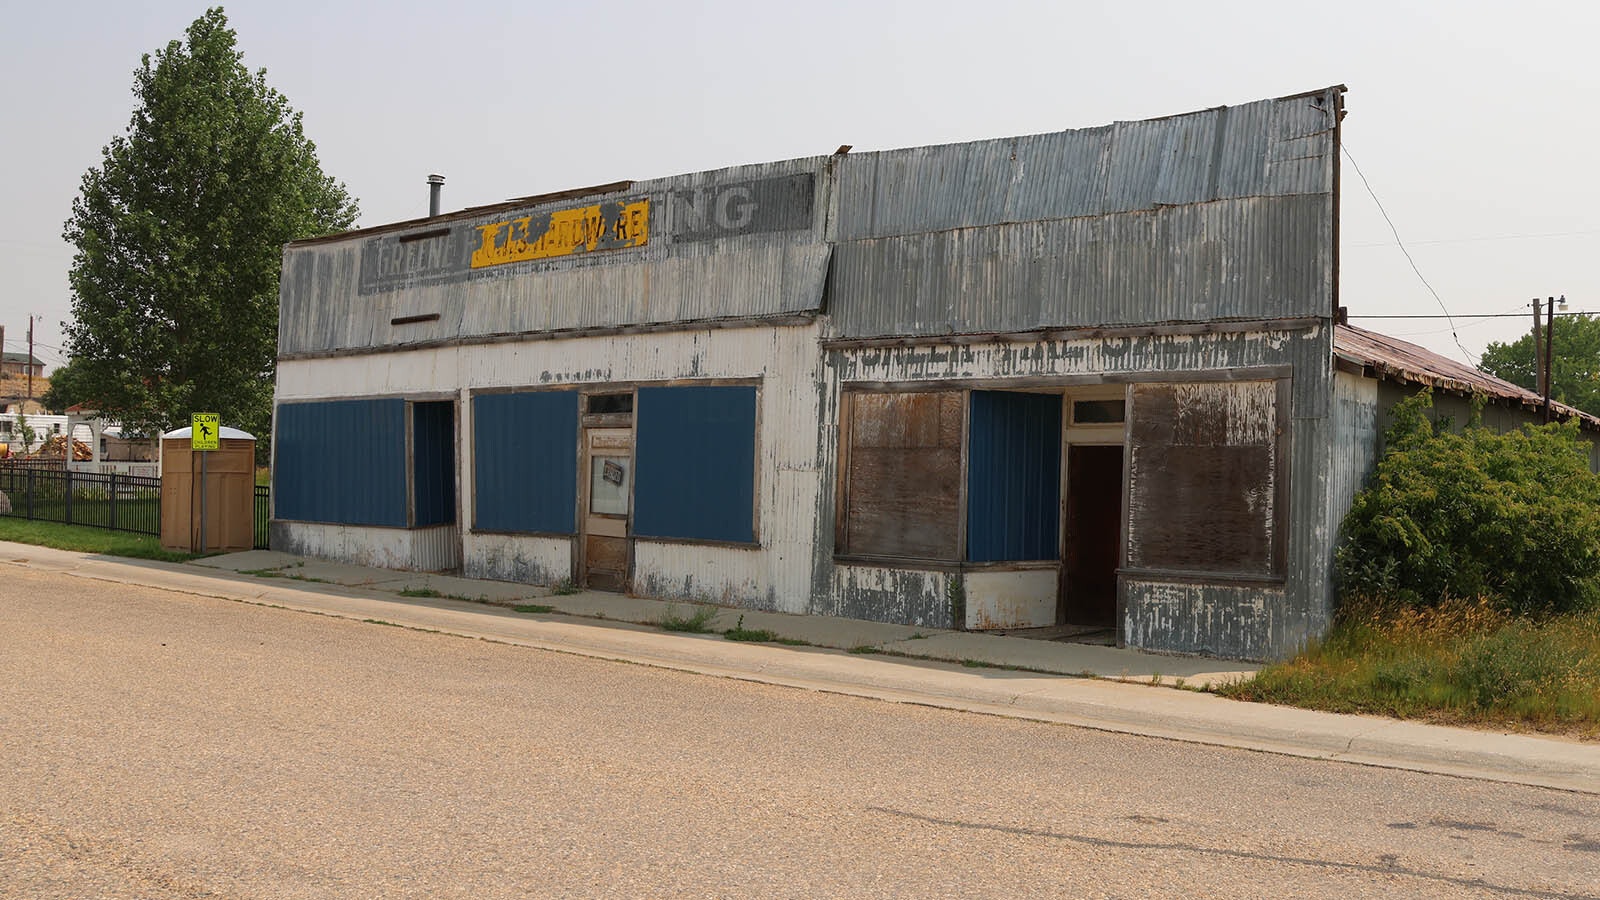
column 435, row 182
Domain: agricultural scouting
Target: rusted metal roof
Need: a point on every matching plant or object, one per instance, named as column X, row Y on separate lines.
column 1386, row 357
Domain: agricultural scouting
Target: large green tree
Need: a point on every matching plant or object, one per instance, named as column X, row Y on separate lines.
column 179, row 234
column 1575, row 364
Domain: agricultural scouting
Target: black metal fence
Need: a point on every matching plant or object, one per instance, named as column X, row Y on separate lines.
column 263, row 514
column 131, row 503
column 115, row 502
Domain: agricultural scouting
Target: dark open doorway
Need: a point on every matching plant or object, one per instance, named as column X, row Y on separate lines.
column 1093, row 548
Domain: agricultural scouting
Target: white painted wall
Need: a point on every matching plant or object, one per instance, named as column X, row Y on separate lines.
column 1024, row 598
column 786, row 360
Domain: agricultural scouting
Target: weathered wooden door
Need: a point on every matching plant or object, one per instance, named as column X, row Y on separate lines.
column 1094, row 534
column 607, row 507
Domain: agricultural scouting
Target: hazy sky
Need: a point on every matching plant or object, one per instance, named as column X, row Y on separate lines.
column 1474, row 122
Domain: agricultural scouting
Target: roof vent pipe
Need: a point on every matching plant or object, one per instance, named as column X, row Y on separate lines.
column 435, row 182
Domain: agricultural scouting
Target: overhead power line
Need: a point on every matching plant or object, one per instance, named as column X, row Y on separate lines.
column 1515, row 315
column 1401, row 244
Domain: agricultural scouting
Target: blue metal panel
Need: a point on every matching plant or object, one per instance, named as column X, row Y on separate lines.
column 433, row 461
column 695, row 457
column 1014, row 477
column 525, row 461
column 341, row 461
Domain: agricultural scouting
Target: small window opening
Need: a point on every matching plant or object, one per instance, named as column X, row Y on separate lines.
column 599, row 404
column 1099, row 412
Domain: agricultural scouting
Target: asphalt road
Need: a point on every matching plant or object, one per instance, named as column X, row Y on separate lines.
column 161, row 745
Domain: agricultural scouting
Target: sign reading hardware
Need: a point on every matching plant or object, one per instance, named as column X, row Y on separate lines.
column 204, row 431
column 604, row 226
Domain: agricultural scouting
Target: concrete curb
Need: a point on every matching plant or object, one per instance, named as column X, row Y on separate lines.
column 1090, row 703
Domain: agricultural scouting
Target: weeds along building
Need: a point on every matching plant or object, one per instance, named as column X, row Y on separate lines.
column 1087, row 377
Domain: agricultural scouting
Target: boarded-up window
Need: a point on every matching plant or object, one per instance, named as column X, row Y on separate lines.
column 696, row 458
column 1206, row 478
column 525, row 463
column 342, row 462
column 902, row 475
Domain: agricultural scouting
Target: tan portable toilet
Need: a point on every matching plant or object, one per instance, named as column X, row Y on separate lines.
column 230, row 495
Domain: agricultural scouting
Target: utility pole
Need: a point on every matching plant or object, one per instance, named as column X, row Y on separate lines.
column 1547, row 373
column 1538, row 348
column 29, row 363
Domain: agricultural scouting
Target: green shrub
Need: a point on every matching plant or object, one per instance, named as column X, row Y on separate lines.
column 1513, row 518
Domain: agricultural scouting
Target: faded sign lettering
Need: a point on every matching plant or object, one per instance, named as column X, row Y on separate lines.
column 751, row 207
column 604, row 226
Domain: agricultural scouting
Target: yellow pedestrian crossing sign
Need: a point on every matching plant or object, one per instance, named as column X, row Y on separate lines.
column 203, row 431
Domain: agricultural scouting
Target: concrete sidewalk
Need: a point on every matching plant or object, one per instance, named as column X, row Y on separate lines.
column 950, row 670
column 969, row 648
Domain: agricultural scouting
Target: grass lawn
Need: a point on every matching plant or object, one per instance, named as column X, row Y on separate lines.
column 86, row 539
column 1460, row 664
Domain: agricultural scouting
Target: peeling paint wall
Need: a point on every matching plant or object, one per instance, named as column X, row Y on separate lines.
column 526, row 559
column 882, row 594
column 1024, row 598
column 1210, row 619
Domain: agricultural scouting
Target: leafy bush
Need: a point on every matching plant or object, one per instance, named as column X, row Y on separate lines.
column 1513, row 518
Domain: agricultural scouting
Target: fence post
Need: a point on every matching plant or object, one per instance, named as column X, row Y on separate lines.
column 113, row 500
column 69, row 493
column 30, row 492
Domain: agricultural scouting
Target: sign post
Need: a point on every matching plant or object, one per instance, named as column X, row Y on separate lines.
column 204, row 435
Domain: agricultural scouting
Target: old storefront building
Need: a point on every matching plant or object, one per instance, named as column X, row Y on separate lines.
column 1081, row 378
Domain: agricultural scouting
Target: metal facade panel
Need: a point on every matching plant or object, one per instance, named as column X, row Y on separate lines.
column 1249, row 258
column 1222, row 213
column 525, row 461
column 695, row 455
column 341, row 461
column 1263, row 149
column 1013, row 476
column 736, row 243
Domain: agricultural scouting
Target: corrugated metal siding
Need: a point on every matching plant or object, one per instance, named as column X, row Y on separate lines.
column 1013, row 477
column 433, row 458
column 1353, row 426
column 341, row 461
column 736, row 243
column 1225, row 213
column 1270, row 148
column 1248, row 258
column 435, row 549
column 525, row 461
column 695, row 456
